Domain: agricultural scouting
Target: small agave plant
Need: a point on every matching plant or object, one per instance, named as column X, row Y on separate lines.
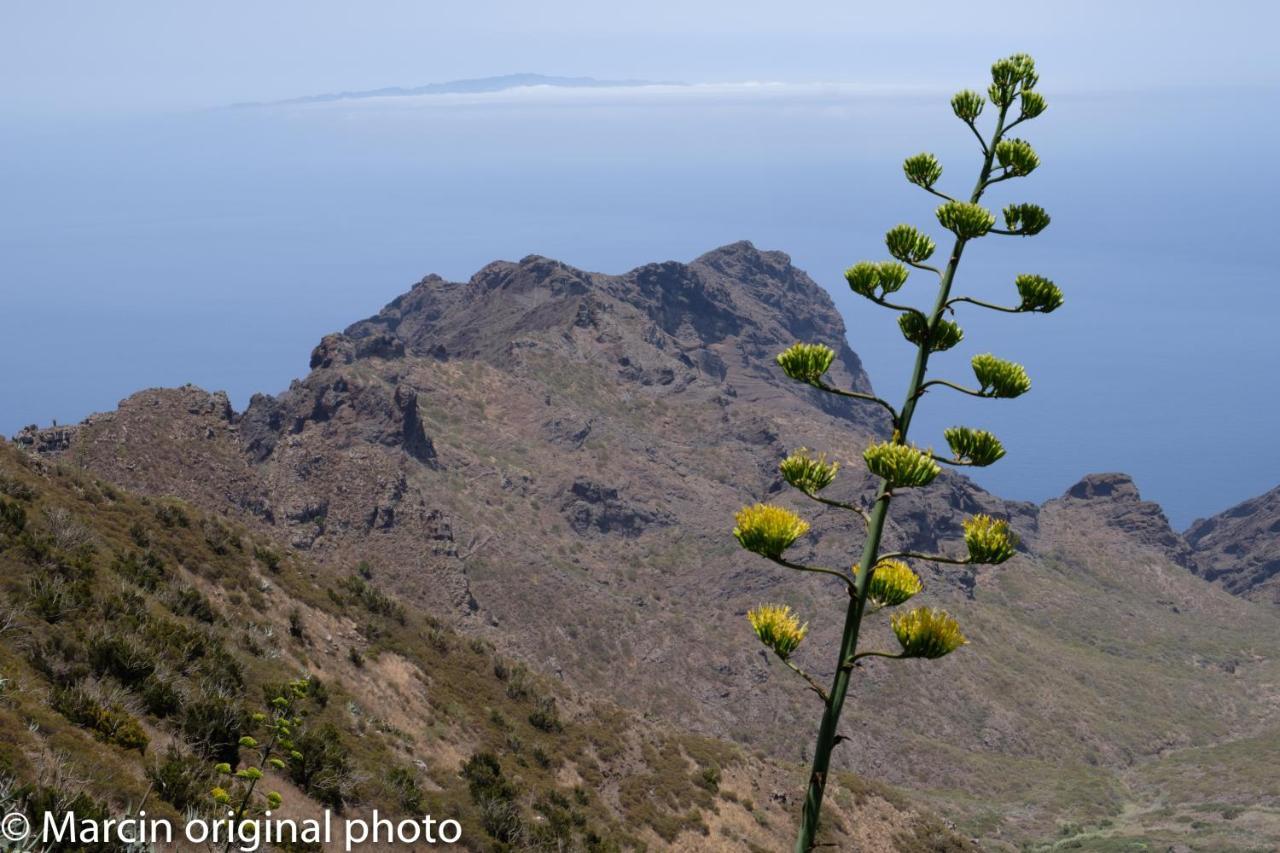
column 885, row 580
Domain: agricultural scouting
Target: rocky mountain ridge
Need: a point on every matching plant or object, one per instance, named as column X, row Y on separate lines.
column 1240, row 547
column 550, row 459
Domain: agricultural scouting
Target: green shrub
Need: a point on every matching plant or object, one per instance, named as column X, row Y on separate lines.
column 144, row 569
column 53, row 599
column 321, row 764
column 138, row 533
column 268, row 557
column 121, row 658
column 13, row 520
column 214, row 724
column 181, row 779
column 545, row 717
column 368, row 596
column 172, row 515
column 110, row 722
column 220, row 538
column 483, row 773
column 189, row 601
column 160, row 697
column 404, row 783
column 16, row 489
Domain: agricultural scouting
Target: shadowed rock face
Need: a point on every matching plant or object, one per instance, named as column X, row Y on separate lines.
column 1240, row 548
column 552, row 458
column 1119, row 505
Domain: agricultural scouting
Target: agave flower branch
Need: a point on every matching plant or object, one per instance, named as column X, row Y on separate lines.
column 882, row 580
column 811, row 474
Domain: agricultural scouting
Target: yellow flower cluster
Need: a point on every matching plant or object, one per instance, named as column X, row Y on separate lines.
column 778, row 628
column 988, row 539
column 901, row 464
column 768, row 530
column 892, row 583
column 927, row 633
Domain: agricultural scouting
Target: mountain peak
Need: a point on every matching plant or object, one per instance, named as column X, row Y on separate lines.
column 530, row 273
column 742, row 251
column 1114, row 499
column 1240, row 547
column 1111, row 486
column 729, row 310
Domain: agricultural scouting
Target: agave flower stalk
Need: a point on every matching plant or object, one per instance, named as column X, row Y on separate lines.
column 279, row 723
column 882, row 579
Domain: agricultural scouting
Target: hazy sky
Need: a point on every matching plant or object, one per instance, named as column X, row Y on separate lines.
column 147, row 240
column 58, row 56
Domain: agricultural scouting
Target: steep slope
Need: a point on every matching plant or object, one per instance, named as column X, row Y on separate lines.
column 1240, row 548
column 138, row 636
column 552, row 458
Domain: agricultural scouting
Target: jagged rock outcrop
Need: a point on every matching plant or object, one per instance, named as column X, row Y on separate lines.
column 1240, row 548
column 1117, row 503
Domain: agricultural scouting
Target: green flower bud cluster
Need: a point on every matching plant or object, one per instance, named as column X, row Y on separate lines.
column 908, row 244
column 1017, row 156
column 768, row 530
column 927, row 633
column 901, row 465
column 1010, row 74
column 806, row 362
column 1025, row 219
column 778, row 628
column 975, row 446
column 807, row 473
column 915, row 328
column 1000, row 378
column 1038, row 293
column 892, row 583
column 1033, row 104
column 965, row 220
column 967, row 105
column 865, row 278
column 923, row 170
column 988, row 539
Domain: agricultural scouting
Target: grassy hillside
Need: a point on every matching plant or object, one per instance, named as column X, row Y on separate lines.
column 139, row 636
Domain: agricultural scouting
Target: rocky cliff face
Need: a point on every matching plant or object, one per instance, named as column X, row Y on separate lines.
column 552, row 457
column 1118, row 504
column 1240, row 548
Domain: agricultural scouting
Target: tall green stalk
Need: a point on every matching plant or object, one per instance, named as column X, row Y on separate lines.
column 880, row 579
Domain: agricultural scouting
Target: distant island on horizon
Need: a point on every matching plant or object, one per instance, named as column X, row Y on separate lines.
column 478, row 85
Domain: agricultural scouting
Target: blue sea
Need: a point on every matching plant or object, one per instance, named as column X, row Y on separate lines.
column 217, row 247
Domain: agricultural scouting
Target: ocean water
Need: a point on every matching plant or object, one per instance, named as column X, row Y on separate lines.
column 218, row 247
